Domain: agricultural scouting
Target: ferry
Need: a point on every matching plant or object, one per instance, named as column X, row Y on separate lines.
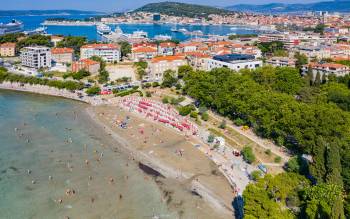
column 13, row 27
column 103, row 29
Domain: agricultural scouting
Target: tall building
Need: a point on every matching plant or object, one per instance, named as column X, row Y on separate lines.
column 8, row 49
column 108, row 52
column 233, row 61
column 36, row 57
column 62, row 55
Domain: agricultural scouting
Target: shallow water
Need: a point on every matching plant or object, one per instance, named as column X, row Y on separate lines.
column 47, row 136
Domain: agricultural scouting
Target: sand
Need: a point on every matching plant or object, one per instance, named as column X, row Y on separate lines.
column 157, row 147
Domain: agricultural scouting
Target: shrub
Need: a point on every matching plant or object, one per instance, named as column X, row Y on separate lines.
column 238, row 122
column 205, row 116
column 222, row 124
column 255, row 175
column 185, row 110
column 248, row 155
column 211, row 138
column 148, row 94
column 268, row 152
column 93, row 90
column 165, row 100
column 278, row 159
column 194, row 114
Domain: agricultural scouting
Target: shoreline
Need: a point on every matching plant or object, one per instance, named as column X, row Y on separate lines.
column 50, row 91
column 164, row 169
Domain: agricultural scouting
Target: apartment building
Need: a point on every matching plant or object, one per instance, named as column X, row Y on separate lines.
column 86, row 64
column 62, row 55
column 233, row 61
column 281, row 61
column 108, row 52
column 8, row 49
column 159, row 65
column 166, row 49
column 326, row 68
column 36, row 57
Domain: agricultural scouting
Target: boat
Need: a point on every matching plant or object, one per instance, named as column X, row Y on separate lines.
column 103, row 29
column 13, row 27
column 162, row 37
column 139, row 34
column 39, row 30
column 183, row 30
column 174, row 30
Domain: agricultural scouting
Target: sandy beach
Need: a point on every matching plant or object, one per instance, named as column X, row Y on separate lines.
column 157, row 147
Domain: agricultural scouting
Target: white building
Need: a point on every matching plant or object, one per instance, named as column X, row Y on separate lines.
column 36, row 57
column 108, row 52
column 281, row 61
column 159, row 65
column 233, row 61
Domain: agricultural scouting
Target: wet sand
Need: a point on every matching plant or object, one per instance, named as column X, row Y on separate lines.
column 157, row 146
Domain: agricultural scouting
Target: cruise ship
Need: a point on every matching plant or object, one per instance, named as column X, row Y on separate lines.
column 103, row 29
column 12, row 27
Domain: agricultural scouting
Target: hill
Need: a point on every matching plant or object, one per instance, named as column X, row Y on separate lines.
column 46, row 12
column 181, row 9
column 331, row 6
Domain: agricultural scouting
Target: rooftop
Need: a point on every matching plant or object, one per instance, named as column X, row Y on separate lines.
column 8, row 45
column 167, row 58
column 233, row 57
column 100, row 46
column 61, row 50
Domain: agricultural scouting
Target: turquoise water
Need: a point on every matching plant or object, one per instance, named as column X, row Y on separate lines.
column 43, row 153
column 32, row 22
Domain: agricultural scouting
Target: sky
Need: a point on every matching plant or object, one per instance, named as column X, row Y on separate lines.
column 117, row 5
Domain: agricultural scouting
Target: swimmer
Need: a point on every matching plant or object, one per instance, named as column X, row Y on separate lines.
column 50, row 178
column 33, row 181
column 87, row 162
column 29, row 171
column 111, row 180
column 90, row 177
column 120, row 196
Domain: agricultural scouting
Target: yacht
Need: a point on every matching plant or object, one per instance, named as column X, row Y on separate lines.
column 162, row 37
column 13, row 27
column 139, row 34
column 39, row 30
column 103, row 29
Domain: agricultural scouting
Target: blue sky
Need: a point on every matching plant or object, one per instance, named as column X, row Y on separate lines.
column 117, row 5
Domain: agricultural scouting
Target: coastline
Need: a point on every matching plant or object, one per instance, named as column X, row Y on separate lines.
column 50, row 91
column 165, row 169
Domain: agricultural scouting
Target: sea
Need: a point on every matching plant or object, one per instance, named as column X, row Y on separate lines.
column 45, row 143
column 90, row 32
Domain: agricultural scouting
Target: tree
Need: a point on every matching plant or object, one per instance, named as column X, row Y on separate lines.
column 80, row 74
column 223, row 124
column 255, row 175
column 301, row 60
column 248, row 154
column 169, row 78
column 211, row 138
column 318, row 79
column 183, row 70
column 93, row 90
column 205, row 116
column 323, row 201
column 75, row 42
column 324, row 79
column 125, row 48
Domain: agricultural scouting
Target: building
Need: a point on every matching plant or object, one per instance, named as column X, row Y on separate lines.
column 281, row 61
column 8, row 49
column 143, row 52
column 86, row 64
column 166, row 48
column 233, row 61
column 327, row 69
column 108, row 52
column 159, row 65
column 62, row 55
column 36, row 57
column 56, row 39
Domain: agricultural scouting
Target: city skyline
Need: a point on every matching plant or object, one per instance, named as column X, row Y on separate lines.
column 111, row 5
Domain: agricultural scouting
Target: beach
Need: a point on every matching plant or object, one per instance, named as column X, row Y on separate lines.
column 157, row 147
column 190, row 186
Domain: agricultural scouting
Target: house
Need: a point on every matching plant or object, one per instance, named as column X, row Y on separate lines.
column 233, row 61
column 36, row 57
column 108, row 52
column 86, row 64
column 327, row 69
column 281, row 61
column 166, row 48
column 8, row 49
column 188, row 47
column 62, row 55
column 144, row 51
column 197, row 60
column 56, row 39
column 159, row 65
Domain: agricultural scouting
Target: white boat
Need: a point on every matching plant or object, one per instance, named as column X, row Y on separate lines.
column 39, row 30
column 162, row 37
column 103, row 29
column 139, row 34
column 174, row 30
column 12, row 27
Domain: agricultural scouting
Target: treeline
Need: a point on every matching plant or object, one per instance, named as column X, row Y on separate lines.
column 277, row 103
column 14, row 78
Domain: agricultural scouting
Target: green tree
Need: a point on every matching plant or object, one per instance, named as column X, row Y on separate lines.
column 169, row 78
column 93, row 90
column 248, row 154
column 318, row 79
column 125, row 48
column 301, row 60
column 183, row 70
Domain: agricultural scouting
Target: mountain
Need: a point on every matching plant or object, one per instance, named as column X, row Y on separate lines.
column 331, row 6
column 46, row 12
column 182, row 9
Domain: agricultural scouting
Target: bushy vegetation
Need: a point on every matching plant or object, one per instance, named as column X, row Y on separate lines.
column 248, row 154
column 74, row 42
column 182, row 9
column 277, row 103
column 69, row 85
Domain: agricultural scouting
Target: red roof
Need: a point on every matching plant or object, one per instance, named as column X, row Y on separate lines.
column 8, row 45
column 167, row 44
column 167, row 58
column 88, row 62
column 61, row 50
column 144, row 49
